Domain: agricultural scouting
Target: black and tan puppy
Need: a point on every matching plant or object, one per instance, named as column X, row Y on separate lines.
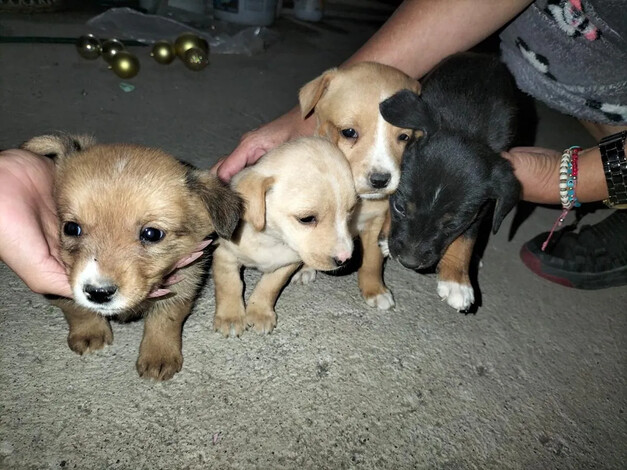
column 127, row 215
column 452, row 170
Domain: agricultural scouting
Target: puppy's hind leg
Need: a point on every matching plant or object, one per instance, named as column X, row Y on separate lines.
column 370, row 272
column 453, row 281
column 260, row 309
column 229, row 318
column 88, row 330
column 160, row 355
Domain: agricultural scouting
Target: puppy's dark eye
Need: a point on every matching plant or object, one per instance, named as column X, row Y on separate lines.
column 350, row 133
column 398, row 207
column 72, row 229
column 151, row 235
column 403, row 137
column 309, row 220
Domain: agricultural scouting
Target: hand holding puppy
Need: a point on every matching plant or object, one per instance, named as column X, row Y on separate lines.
column 29, row 239
column 254, row 144
column 29, row 233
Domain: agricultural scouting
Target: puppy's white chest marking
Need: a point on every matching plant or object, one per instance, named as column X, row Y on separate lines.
column 364, row 213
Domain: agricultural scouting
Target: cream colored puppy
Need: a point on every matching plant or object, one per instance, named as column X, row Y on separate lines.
column 345, row 104
column 128, row 215
column 298, row 198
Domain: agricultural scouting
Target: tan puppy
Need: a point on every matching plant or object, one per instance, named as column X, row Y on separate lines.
column 128, row 214
column 299, row 198
column 345, row 103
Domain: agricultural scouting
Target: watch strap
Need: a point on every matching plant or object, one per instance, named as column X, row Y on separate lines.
column 615, row 168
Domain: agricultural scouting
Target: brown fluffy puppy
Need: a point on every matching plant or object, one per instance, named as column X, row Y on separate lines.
column 345, row 104
column 127, row 215
column 299, row 197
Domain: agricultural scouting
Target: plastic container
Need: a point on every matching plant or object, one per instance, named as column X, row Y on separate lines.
column 308, row 10
column 250, row 12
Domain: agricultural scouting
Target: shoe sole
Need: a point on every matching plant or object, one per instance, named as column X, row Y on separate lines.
column 591, row 281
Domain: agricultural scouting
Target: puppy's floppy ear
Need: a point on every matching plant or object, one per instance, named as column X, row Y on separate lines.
column 59, row 145
column 224, row 205
column 406, row 109
column 310, row 94
column 253, row 187
column 505, row 190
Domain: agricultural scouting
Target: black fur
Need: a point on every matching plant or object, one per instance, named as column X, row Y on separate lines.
column 452, row 172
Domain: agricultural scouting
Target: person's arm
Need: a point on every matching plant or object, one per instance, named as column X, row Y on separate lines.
column 416, row 37
column 537, row 169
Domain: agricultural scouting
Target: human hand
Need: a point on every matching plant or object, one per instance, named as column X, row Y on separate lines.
column 254, row 144
column 537, row 169
column 29, row 234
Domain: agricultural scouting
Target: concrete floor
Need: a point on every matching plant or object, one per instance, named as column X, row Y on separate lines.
column 534, row 380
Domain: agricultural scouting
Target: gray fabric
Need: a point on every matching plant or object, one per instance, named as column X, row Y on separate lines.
column 575, row 64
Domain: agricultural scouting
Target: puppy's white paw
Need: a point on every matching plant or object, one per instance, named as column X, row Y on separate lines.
column 304, row 276
column 458, row 296
column 384, row 301
column 385, row 247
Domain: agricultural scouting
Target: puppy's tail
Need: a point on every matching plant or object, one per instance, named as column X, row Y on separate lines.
column 58, row 145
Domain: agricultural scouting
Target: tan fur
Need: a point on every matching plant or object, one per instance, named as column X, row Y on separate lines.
column 349, row 98
column 113, row 192
column 303, row 178
column 453, row 267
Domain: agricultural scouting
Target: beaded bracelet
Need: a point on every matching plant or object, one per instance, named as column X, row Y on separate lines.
column 569, row 171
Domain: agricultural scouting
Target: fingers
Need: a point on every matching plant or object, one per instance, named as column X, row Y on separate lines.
column 245, row 154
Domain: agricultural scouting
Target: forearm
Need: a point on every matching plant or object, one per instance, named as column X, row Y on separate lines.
column 421, row 33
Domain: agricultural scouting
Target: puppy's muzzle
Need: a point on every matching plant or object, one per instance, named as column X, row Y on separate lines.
column 379, row 180
column 99, row 294
column 413, row 257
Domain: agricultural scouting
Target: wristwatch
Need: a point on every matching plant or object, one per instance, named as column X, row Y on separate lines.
column 612, row 150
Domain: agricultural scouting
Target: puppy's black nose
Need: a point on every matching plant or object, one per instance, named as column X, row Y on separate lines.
column 379, row 180
column 99, row 295
column 338, row 262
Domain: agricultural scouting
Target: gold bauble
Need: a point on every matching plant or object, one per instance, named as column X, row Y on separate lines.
column 188, row 40
column 125, row 64
column 110, row 49
column 88, row 46
column 163, row 52
column 195, row 59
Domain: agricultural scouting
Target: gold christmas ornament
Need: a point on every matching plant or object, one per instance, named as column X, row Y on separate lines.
column 88, row 47
column 196, row 59
column 110, row 49
column 125, row 64
column 186, row 41
column 163, row 52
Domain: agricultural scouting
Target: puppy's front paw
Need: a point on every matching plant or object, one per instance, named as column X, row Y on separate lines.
column 304, row 276
column 458, row 296
column 159, row 361
column 385, row 247
column 262, row 319
column 383, row 301
column 230, row 323
column 90, row 337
